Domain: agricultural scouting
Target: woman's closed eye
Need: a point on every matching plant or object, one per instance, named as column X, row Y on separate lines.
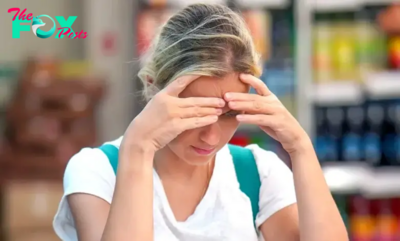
column 231, row 113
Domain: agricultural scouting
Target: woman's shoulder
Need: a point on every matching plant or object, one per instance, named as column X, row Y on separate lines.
column 91, row 157
column 267, row 161
column 87, row 172
column 277, row 184
column 90, row 170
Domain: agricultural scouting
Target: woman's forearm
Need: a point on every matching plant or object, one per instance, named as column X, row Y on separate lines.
column 131, row 212
column 319, row 217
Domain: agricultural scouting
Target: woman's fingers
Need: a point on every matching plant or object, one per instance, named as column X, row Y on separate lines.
column 201, row 101
column 196, row 122
column 260, row 120
column 199, row 112
column 234, row 96
column 178, row 85
column 259, row 107
column 256, row 83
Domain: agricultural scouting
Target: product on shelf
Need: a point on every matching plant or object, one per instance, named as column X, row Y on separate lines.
column 361, row 221
column 386, row 221
column 282, row 35
column 344, row 52
column 389, row 19
column 371, row 44
column 240, row 140
column 394, row 52
column 279, row 76
column 322, row 59
column 49, row 119
column 352, row 138
column 40, row 71
column 258, row 22
column 390, row 137
column 373, row 132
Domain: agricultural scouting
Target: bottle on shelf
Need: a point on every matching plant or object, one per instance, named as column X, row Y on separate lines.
column 322, row 52
column 371, row 43
column 259, row 24
column 335, row 117
column 386, row 222
column 352, row 138
column 394, row 52
column 389, row 134
column 320, row 139
column 373, row 131
column 361, row 221
column 344, row 48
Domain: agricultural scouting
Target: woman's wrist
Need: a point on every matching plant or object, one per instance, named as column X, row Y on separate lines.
column 304, row 148
column 136, row 156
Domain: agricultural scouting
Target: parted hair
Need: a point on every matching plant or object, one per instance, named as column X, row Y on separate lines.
column 201, row 39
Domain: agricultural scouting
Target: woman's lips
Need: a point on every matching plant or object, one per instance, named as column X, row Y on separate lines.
column 203, row 152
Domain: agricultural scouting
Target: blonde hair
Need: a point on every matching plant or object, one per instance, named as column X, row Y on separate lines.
column 201, row 39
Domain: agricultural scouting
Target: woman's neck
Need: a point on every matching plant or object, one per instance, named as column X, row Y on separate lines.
column 169, row 166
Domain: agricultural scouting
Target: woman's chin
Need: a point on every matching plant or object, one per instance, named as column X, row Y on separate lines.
column 198, row 160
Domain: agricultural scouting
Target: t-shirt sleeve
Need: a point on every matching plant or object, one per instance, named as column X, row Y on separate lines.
column 89, row 172
column 277, row 184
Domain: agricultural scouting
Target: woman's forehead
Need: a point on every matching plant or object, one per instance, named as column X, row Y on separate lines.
column 215, row 87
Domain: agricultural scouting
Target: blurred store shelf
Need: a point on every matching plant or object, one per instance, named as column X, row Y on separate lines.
column 263, row 3
column 343, row 5
column 345, row 178
column 337, row 93
column 352, row 178
column 333, row 5
column 379, row 2
column 383, row 85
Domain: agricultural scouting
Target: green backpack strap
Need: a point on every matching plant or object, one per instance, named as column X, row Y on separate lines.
column 245, row 167
column 111, row 152
column 247, row 175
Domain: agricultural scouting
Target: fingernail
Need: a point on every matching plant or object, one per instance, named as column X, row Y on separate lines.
column 239, row 117
column 222, row 103
column 219, row 111
column 227, row 95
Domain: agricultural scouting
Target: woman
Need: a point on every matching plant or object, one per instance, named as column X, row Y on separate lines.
column 175, row 178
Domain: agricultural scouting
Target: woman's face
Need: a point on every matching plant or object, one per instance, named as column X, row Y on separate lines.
column 198, row 146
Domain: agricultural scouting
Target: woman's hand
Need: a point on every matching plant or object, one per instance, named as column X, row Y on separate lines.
column 166, row 115
column 266, row 111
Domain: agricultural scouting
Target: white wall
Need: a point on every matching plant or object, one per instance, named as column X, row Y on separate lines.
column 102, row 16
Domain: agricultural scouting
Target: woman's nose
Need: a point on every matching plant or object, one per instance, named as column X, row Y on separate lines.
column 211, row 134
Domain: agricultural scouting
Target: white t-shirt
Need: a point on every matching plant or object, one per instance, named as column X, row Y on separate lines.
column 224, row 213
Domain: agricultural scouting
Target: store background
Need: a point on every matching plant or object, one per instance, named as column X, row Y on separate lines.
column 331, row 62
